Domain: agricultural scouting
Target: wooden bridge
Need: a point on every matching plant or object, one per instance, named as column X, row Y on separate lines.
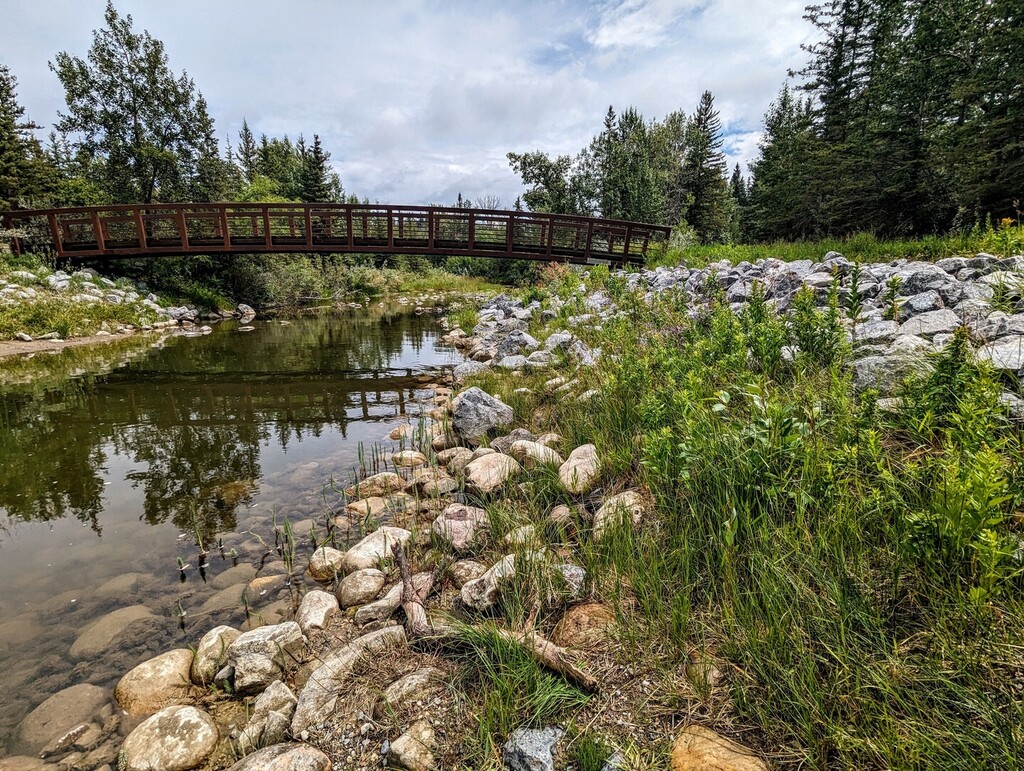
column 318, row 228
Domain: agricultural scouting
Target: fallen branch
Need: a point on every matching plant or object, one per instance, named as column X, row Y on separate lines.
column 412, row 601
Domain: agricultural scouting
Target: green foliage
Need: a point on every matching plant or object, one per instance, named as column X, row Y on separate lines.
column 26, row 174
column 143, row 125
column 855, row 571
column 512, row 686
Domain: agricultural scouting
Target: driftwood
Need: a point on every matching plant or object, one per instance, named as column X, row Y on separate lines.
column 412, row 601
column 548, row 654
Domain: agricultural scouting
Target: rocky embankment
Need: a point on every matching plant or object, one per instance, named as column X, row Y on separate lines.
column 367, row 673
column 137, row 308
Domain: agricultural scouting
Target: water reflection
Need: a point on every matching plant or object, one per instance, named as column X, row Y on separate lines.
column 193, row 415
column 117, row 460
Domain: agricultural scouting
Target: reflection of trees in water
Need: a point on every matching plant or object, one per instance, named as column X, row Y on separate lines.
column 194, row 415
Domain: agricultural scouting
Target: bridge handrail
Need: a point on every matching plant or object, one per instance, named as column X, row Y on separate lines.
column 490, row 232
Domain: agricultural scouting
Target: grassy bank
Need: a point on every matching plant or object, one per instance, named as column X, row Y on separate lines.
column 1004, row 241
column 836, row 584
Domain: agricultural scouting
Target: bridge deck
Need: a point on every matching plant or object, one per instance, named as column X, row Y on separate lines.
column 215, row 228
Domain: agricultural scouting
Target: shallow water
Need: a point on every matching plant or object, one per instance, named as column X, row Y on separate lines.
column 117, row 462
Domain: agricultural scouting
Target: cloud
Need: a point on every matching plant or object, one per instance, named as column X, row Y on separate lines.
column 419, row 100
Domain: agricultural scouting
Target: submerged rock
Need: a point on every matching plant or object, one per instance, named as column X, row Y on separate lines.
column 57, row 715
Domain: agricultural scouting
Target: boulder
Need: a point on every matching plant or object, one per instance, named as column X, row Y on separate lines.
column 174, row 739
column 374, row 548
column 377, row 485
column 468, row 369
column 464, row 571
column 481, row 593
column 531, row 749
column 260, row 655
column 698, row 748
column 409, row 458
column 533, row 454
column 284, row 757
column 212, row 653
column 477, row 413
column 413, row 750
column 931, row 323
column 315, row 610
column 627, row 507
column 583, row 626
column 1007, row 353
column 271, row 718
column 580, row 470
column 101, row 633
column 57, row 715
column 490, row 472
column 326, row 681
column 360, row 587
column 325, row 563
column 411, row 687
column 461, row 525
column 164, row 679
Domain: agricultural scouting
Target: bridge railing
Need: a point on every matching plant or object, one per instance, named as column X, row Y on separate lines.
column 210, row 228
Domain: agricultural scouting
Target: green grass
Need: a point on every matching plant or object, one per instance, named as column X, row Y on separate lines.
column 1004, row 241
column 855, row 573
column 68, row 318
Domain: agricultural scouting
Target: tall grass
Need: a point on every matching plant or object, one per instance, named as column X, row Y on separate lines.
column 857, row 573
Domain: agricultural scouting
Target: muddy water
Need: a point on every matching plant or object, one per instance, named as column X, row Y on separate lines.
column 122, row 463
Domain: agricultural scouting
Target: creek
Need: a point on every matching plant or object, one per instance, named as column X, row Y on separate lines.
column 122, row 463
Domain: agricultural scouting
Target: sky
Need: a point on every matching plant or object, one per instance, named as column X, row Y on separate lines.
column 418, row 101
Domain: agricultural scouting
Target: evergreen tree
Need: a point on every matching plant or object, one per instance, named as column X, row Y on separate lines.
column 26, row 174
column 317, row 182
column 703, row 173
column 783, row 197
column 212, row 177
column 248, row 153
column 131, row 113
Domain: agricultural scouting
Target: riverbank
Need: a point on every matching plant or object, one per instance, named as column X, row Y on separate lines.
column 745, row 515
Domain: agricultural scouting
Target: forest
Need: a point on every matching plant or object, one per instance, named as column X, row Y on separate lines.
column 905, row 121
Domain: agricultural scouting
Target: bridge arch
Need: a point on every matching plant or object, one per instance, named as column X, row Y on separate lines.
column 318, row 228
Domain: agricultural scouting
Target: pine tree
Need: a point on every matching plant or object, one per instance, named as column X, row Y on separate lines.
column 703, row 173
column 25, row 171
column 211, row 179
column 317, row 182
column 248, row 153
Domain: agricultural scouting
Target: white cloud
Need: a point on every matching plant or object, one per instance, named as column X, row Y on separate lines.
column 418, row 100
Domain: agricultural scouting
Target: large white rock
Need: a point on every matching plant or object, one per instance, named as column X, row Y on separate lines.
column 212, row 653
column 315, row 610
column 377, row 485
column 325, row 683
column 481, row 593
column 617, row 510
column 164, row 679
column 533, row 454
column 285, row 757
column 174, row 739
column 271, row 718
column 1006, row 353
column 580, row 470
column 260, row 655
column 325, row 563
column 461, row 525
column 476, row 413
column 374, row 548
column 360, row 587
column 489, row 472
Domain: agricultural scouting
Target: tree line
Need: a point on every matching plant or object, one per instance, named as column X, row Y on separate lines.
column 134, row 131
column 907, row 119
